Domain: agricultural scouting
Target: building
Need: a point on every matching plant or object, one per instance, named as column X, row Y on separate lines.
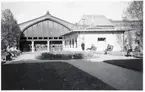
column 51, row 33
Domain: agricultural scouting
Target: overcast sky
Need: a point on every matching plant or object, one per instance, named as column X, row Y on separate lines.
column 71, row 11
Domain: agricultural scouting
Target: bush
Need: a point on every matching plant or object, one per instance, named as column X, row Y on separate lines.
column 8, row 55
column 61, row 56
column 138, row 54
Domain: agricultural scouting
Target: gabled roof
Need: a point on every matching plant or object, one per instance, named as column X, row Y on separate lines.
column 87, row 23
column 27, row 24
column 95, row 20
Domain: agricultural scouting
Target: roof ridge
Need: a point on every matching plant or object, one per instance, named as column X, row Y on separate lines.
column 94, row 15
column 44, row 16
column 31, row 20
column 63, row 20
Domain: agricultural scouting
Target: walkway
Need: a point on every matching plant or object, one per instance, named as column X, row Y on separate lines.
column 102, row 57
column 28, row 56
column 115, row 76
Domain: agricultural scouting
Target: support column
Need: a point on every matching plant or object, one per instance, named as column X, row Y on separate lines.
column 63, row 44
column 123, row 45
column 32, row 45
column 47, row 45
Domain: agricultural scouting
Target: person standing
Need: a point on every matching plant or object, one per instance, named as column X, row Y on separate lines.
column 83, row 46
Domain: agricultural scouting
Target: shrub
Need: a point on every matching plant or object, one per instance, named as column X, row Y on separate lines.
column 8, row 55
column 60, row 56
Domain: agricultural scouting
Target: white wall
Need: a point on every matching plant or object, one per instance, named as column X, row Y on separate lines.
column 111, row 39
column 92, row 39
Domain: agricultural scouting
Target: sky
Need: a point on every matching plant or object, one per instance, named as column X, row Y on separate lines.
column 69, row 10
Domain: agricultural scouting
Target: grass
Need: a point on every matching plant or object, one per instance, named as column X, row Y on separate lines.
column 64, row 55
column 134, row 64
column 48, row 76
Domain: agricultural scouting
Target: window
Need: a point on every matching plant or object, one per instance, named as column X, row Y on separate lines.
column 60, row 37
column 65, row 43
column 73, row 43
column 70, row 43
column 102, row 39
column 34, row 37
column 40, row 37
column 45, row 37
column 76, row 42
column 23, row 38
column 29, row 37
column 55, row 37
column 50, row 37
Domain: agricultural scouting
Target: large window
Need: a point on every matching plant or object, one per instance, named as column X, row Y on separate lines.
column 70, row 43
column 65, row 43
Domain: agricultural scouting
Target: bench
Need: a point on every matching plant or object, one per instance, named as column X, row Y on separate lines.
column 92, row 48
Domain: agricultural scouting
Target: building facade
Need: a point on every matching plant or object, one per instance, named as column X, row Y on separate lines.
column 53, row 34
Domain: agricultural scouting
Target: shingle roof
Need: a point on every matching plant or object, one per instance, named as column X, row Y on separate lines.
column 96, row 20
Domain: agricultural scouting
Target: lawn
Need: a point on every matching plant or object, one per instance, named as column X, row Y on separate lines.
column 134, row 64
column 48, row 76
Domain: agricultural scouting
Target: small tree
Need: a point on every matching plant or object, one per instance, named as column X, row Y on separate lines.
column 10, row 30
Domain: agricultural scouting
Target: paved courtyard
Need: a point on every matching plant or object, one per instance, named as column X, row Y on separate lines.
column 98, row 57
column 115, row 76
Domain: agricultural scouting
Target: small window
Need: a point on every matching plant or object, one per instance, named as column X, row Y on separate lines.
column 50, row 37
column 29, row 37
column 65, row 42
column 45, row 37
column 23, row 38
column 34, row 37
column 101, row 39
column 55, row 37
column 60, row 37
column 40, row 37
